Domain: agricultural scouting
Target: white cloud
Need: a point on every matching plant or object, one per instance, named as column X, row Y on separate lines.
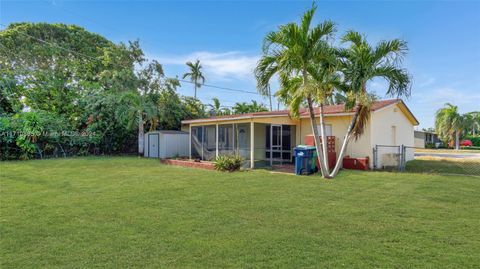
column 438, row 97
column 219, row 66
column 427, row 82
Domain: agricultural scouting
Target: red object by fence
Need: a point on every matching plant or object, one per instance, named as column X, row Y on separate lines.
column 356, row 163
column 332, row 156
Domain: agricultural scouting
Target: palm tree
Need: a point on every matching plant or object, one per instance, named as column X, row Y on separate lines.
column 195, row 74
column 360, row 63
column 256, row 107
column 472, row 122
column 216, row 109
column 449, row 124
column 137, row 109
column 292, row 52
column 241, row 108
column 244, row 107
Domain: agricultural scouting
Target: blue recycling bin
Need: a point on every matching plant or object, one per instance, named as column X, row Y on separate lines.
column 304, row 160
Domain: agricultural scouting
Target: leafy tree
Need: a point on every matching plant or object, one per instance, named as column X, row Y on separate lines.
column 192, row 108
column 140, row 106
column 293, row 52
column 9, row 95
column 449, row 124
column 55, row 66
column 100, row 118
column 360, row 63
column 195, row 75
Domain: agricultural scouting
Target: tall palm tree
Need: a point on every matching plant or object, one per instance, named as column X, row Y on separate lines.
column 449, row 124
column 293, row 52
column 195, row 75
column 360, row 63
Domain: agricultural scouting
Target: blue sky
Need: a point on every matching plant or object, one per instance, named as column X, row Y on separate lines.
column 443, row 39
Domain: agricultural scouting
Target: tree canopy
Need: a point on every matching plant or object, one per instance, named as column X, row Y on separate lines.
column 52, row 73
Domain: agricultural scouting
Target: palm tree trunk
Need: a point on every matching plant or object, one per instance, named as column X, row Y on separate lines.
column 195, row 87
column 318, row 144
column 141, row 134
column 324, row 140
column 348, row 135
column 270, row 97
column 457, row 140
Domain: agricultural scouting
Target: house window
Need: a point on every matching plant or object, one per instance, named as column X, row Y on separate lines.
column 328, row 130
column 394, row 135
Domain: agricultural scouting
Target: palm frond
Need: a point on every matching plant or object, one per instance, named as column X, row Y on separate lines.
column 354, row 37
column 398, row 80
column 390, row 51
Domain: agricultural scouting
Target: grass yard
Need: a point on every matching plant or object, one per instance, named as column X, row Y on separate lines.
column 444, row 166
column 450, row 151
column 134, row 212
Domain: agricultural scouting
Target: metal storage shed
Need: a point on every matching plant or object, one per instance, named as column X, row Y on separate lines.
column 166, row 144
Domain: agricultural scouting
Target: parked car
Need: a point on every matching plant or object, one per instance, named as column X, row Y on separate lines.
column 466, row 143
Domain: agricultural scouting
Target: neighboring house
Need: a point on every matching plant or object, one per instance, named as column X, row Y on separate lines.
column 263, row 138
column 422, row 138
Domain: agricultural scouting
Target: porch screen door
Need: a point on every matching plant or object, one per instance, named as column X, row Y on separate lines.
column 276, row 151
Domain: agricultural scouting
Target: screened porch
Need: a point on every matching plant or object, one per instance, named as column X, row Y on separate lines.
column 259, row 144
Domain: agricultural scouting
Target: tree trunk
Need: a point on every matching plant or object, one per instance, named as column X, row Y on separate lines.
column 457, row 140
column 318, row 144
column 324, row 140
column 270, row 97
column 348, row 135
column 141, row 135
column 195, row 93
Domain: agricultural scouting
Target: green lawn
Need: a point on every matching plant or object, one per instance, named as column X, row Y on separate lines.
column 445, row 166
column 133, row 212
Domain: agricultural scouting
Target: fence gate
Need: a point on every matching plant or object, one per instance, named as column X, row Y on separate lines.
column 388, row 157
column 394, row 158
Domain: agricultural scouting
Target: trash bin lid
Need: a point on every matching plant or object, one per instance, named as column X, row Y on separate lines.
column 305, row 147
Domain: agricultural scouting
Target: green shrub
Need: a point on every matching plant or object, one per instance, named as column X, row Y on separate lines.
column 430, row 146
column 228, row 163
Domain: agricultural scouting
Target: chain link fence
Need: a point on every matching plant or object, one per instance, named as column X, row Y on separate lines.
column 47, row 150
column 419, row 160
column 386, row 157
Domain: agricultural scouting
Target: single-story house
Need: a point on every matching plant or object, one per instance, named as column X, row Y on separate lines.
column 263, row 138
column 422, row 138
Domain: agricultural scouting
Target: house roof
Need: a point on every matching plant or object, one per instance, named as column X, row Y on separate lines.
column 168, row 132
column 329, row 110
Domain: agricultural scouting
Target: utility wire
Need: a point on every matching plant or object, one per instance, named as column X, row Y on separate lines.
column 26, row 72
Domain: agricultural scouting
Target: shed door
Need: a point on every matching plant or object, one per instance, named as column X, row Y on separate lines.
column 153, row 145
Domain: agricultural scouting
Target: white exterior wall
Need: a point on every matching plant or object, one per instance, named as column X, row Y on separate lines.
column 419, row 142
column 382, row 132
column 173, row 145
column 360, row 148
column 169, row 144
